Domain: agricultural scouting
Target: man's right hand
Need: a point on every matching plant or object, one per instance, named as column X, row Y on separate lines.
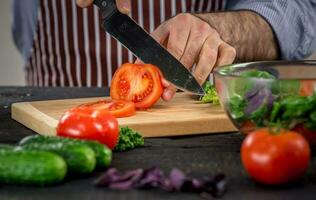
column 124, row 6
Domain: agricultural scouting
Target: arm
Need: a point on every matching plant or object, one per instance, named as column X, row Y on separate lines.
column 247, row 32
column 293, row 23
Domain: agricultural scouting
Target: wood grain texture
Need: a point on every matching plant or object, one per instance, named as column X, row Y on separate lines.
column 182, row 116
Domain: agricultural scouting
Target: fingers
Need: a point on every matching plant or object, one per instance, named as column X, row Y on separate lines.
column 161, row 33
column 174, row 34
column 138, row 61
column 165, row 83
column 207, row 58
column 168, row 93
column 179, row 34
column 84, row 3
column 124, row 6
column 227, row 55
column 198, row 35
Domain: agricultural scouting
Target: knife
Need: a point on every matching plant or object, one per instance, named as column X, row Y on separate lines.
column 142, row 45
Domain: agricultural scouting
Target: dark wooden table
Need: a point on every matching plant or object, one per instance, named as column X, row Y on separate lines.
column 204, row 154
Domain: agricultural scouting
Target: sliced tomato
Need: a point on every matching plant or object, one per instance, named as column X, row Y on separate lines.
column 118, row 108
column 139, row 83
column 307, row 87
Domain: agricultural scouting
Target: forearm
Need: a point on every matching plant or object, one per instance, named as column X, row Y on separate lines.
column 247, row 32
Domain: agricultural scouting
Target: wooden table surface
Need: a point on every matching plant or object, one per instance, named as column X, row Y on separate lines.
column 202, row 154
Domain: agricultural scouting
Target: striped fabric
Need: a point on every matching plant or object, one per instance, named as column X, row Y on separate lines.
column 70, row 48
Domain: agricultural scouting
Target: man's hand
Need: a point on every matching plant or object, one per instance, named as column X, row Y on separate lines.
column 193, row 42
column 124, row 6
column 214, row 39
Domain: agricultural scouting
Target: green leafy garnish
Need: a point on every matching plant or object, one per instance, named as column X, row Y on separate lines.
column 285, row 88
column 237, row 106
column 257, row 74
column 210, row 94
column 276, row 107
column 129, row 139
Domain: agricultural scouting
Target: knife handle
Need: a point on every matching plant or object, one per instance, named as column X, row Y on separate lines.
column 107, row 7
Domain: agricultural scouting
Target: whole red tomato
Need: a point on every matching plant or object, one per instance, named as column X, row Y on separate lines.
column 91, row 124
column 275, row 158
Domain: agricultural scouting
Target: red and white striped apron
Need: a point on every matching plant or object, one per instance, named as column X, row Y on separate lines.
column 71, row 49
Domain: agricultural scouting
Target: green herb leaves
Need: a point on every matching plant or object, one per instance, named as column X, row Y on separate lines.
column 129, row 139
column 210, row 94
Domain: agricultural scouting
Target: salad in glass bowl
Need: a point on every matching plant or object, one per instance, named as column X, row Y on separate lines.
column 261, row 94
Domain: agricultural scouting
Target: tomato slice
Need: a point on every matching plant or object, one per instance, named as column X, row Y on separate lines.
column 118, row 108
column 307, row 87
column 139, row 83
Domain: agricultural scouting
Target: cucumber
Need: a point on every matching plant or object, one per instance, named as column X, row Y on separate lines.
column 31, row 167
column 80, row 158
column 103, row 153
column 6, row 146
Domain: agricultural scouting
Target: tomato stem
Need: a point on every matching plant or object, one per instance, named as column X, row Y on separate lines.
column 276, row 128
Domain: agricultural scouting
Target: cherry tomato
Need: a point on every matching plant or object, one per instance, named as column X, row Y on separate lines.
column 118, row 108
column 90, row 124
column 275, row 158
column 140, row 83
column 247, row 127
column 307, row 87
column 307, row 133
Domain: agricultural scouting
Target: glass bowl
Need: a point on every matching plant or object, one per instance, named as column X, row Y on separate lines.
column 260, row 94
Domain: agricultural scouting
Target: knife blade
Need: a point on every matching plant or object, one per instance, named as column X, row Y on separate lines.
column 142, row 45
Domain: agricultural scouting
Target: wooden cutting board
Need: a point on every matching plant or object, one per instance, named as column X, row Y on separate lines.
column 182, row 116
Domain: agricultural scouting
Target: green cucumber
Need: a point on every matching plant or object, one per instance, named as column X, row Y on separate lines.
column 31, row 167
column 103, row 153
column 80, row 158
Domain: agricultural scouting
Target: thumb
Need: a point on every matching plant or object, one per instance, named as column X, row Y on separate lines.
column 124, row 6
column 84, row 3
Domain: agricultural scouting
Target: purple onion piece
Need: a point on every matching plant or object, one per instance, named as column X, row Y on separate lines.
column 271, row 100
column 155, row 178
column 215, row 185
column 264, row 97
column 133, row 174
column 110, row 176
column 192, row 185
column 124, row 185
column 253, row 92
column 177, row 179
column 112, row 179
column 152, row 177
